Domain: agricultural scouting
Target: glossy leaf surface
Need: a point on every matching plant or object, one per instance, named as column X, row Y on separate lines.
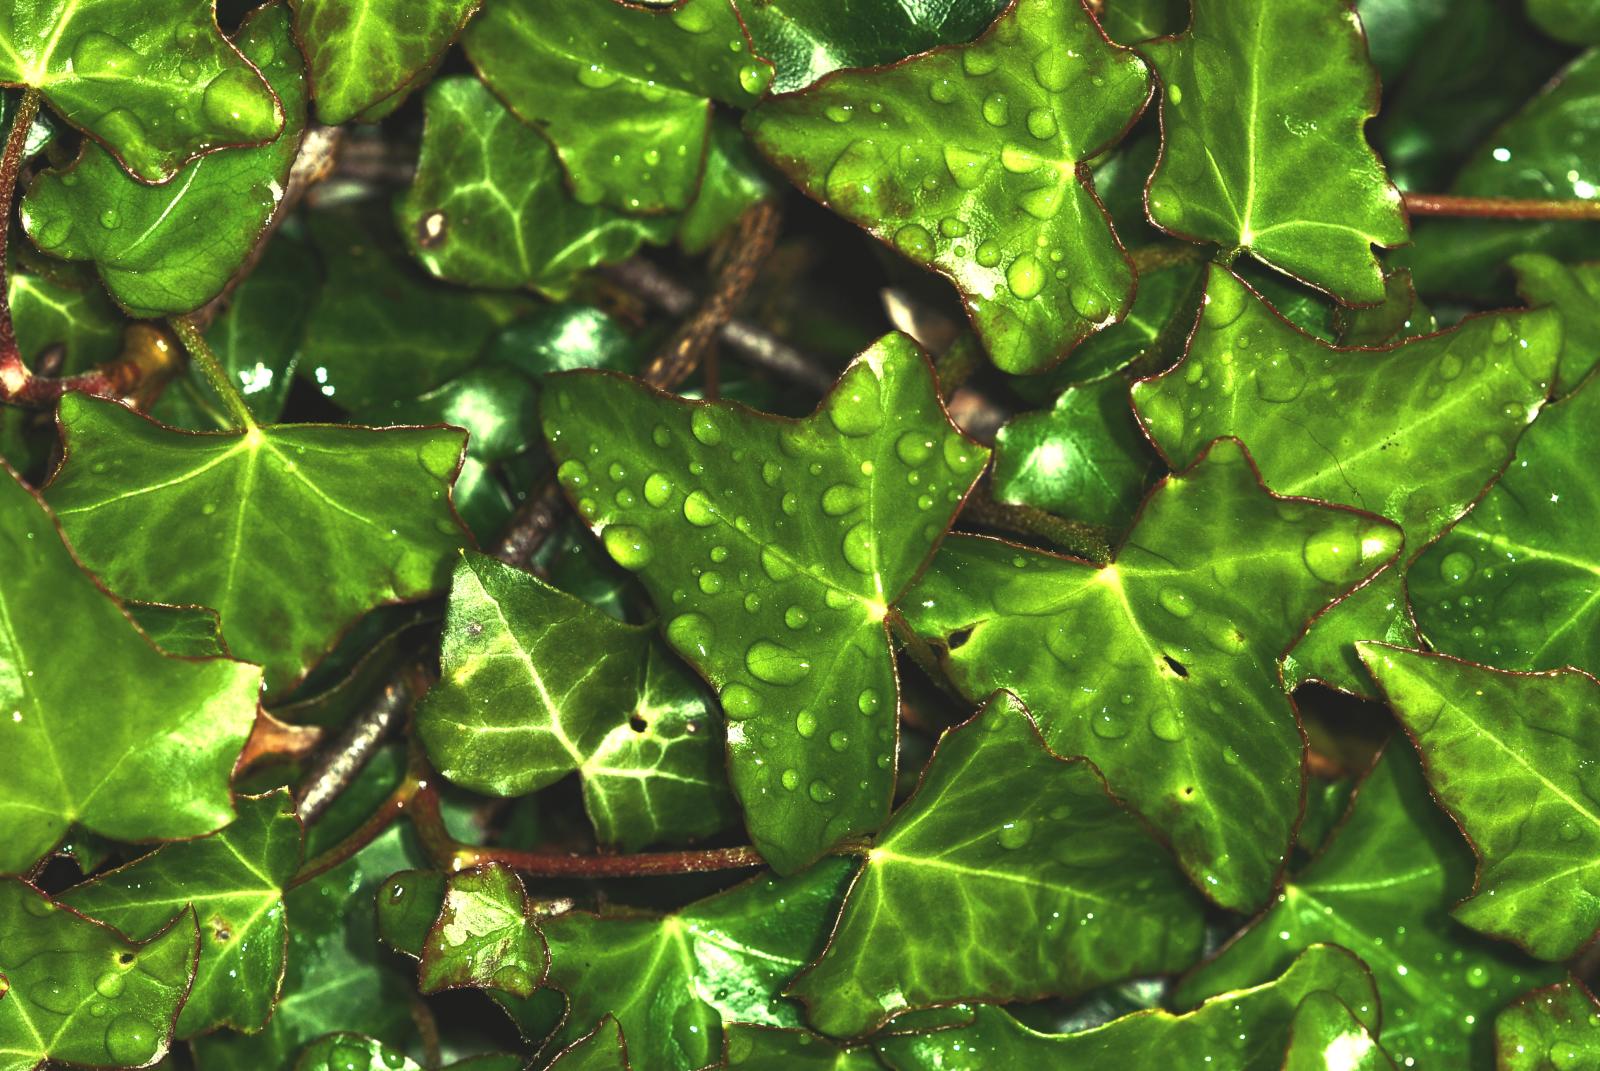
column 770, row 1048
column 1004, row 846
column 363, row 52
column 1573, row 290
column 1170, row 651
column 371, row 522
column 234, row 880
column 101, row 729
column 538, row 685
column 1255, row 92
column 1550, row 1029
column 623, row 92
column 78, row 992
column 604, row 1049
column 1326, row 1036
column 484, row 936
column 1383, row 887
column 1510, row 757
column 171, row 248
column 152, row 80
column 969, row 160
column 775, row 549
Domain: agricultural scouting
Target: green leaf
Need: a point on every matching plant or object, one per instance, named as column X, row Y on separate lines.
column 1572, row 21
column 171, row 248
column 1327, row 1036
column 357, row 517
column 1512, row 584
column 48, row 311
column 1327, row 653
column 970, row 160
column 1134, row 21
column 154, row 81
column 537, row 685
column 234, row 881
column 485, row 936
column 489, row 205
column 1401, row 316
column 362, row 53
column 673, row 981
column 1573, row 290
column 1246, row 1030
column 100, row 728
column 603, row 1049
column 1382, row 887
column 352, row 1052
column 770, row 1048
column 1414, row 431
column 192, row 631
column 623, row 92
column 734, row 180
column 1162, row 667
column 1508, row 756
column 1553, row 1029
column 1003, row 845
column 1258, row 94
column 75, row 991
column 1084, row 458
column 779, row 548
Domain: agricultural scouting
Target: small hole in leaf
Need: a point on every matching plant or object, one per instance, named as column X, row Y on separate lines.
column 474, row 628
column 1176, row 666
column 125, row 958
column 957, row 638
column 638, row 724
column 1188, row 791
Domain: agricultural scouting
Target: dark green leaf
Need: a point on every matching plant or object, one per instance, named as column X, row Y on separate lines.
column 363, row 53
column 352, row 1052
column 1255, row 93
column 1401, row 316
column 1573, row 21
column 771, row 1048
column 604, row 1049
column 1162, row 667
column 1573, row 290
column 778, row 547
column 191, row 631
column 734, row 180
column 357, row 517
column 49, row 312
column 234, row 880
column 1131, row 22
column 1004, row 845
column 484, row 936
column 969, row 160
column 1553, row 1029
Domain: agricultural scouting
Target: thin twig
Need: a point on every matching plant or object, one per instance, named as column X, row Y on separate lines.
column 336, row 767
column 1446, row 204
column 639, row 865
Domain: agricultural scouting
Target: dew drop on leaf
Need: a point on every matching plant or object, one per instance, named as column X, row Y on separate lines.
column 775, row 663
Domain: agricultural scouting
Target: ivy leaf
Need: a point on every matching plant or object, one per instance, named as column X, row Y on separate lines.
column 48, row 311
column 970, row 160
column 1134, row 21
column 624, row 92
column 1512, row 584
column 603, row 1049
column 1325, row 1035
column 1401, row 316
column 779, row 547
column 484, row 936
column 1247, row 1030
column 171, row 248
column 1256, row 92
column 234, row 880
column 1084, row 458
column 1382, row 886
column 76, row 991
column 1573, row 290
column 192, row 631
column 1550, row 1029
column 1162, row 667
column 771, row 1048
column 735, row 178
column 359, row 517
column 1566, row 20
column 1508, row 756
column 1326, row 653
column 99, row 727
column 154, row 82
column 362, row 53
column 356, row 1052
column 1414, row 431
column 673, row 981
column 537, row 684
column 1003, row 844
column 489, row 205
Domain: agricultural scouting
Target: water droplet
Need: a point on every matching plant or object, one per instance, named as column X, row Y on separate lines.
column 1175, row 95
column 657, row 489
column 857, row 548
column 966, row 167
column 1016, row 834
column 1230, row 756
column 1457, row 567
column 1017, row 160
column 1042, row 123
column 855, row 406
column 131, row 1041
column 841, row 498
column 698, row 509
column 100, row 55
column 1175, row 602
column 775, row 664
column 628, row 546
column 822, row 792
column 238, row 101
column 1476, row 976
column 1089, row 302
column 752, row 79
column 805, row 723
column 1329, row 555
column 1025, row 276
column 775, row 565
column 796, row 617
column 996, row 109
column 942, row 91
column 1450, row 366
column 868, row 702
column 979, row 61
column 573, row 474
column 691, row 633
column 1110, row 724
column 1167, row 725
column 1051, row 69
column 110, row 984
column 705, row 426
column 914, row 241
column 109, row 219
column 839, row 740
column 711, row 582
column 739, row 701
column 988, row 254
column 790, row 503
column 1281, row 378
column 790, row 779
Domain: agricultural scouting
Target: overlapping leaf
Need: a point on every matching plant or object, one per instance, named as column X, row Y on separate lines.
column 1010, row 875
column 98, row 727
column 776, row 549
column 484, row 936
column 1511, row 756
column 1162, row 667
column 970, row 160
column 363, row 53
column 537, row 685
column 356, row 517
column 771, row 1048
column 1258, row 94
column 604, row 1049
column 1573, row 290
column 1552, row 1029
column 1325, row 1035
column 171, row 248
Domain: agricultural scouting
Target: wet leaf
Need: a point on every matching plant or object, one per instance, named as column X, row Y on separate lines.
column 364, row 53
column 604, row 1049
column 1327, row 1036
column 1573, row 290
column 771, row 1048
column 484, row 936
column 1550, row 1029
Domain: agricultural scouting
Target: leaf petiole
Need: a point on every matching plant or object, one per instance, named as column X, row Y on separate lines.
column 201, row 353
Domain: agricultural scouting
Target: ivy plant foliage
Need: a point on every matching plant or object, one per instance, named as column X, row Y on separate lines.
column 1192, row 627
column 1549, row 1028
column 246, row 506
column 970, row 160
column 624, row 92
column 1058, row 888
column 1573, row 290
column 173, row 247
column 1382, row 887
column 1535, row 820
column 235, row 881
column 484, row 936
column 1248, row 1028
column 155, row 83
column 364, row 54
column 78, row 992
column 537, row 684
column 1252, row 93
column 769, row 1048
column 102, row 729
column 777, row 550
column 1414, row 431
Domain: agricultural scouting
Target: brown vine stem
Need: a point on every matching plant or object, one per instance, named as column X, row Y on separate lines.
column 1445, row 204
